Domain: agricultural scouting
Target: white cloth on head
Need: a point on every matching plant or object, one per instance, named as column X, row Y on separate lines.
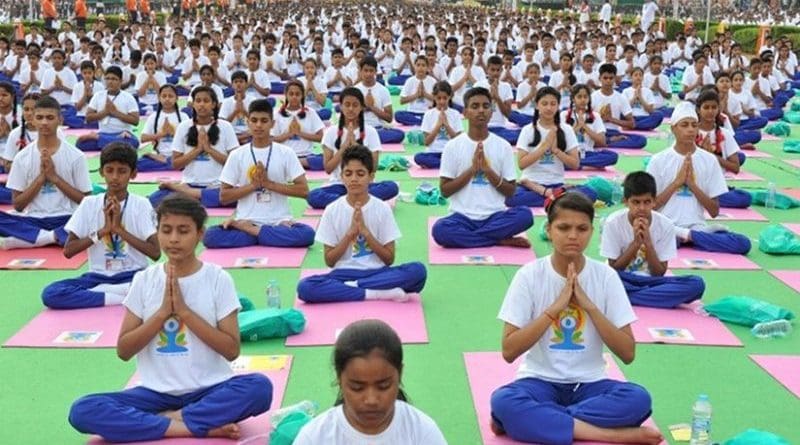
column 684, row 110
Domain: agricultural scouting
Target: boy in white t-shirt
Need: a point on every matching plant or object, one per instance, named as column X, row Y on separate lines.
column 181, row 324
column 82, row 93
column 477, row 173
column 117, row 229
column 439, row 124
column 559, row 312
column 639, row 242
column 117, row 112
column 260, row 177
column 417, row 94
column 358, row 232
column 48, row 179
column 58, row 80
column 378, row 103
column 689, row 183
column 234, row 108
column 615, row 111
column 502, row 98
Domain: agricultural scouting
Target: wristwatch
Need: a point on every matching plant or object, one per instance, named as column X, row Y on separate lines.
column 93, row 236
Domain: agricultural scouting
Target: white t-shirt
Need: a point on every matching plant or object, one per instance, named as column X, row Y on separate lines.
column 311, row 123
column 650, row 79
column 164, row 146
column 70, row 164
column 409, row 426
column 321, row 86
column 371, row 141
column 572, row 350
column 282, row 167
column 690, row 76
column 457, row 74
column 647, row 96
column 549, row 169
column 619, row 106
column 683, row 208
column 382, row 99
column 113, row 255
column 336, row 221
column 330, row 74
column 523, row 91
column 204, row 170
column 429, row 121
column 194, row 79
column 728, row 144
column 77, row 94
column 539, row 57
column 124, row 102
column 556, row 79
column 227, row 107
column 478, row 199
column 618, row 235
column 596, row 126
column 278, row 63
column 261, row 78
column 150, row 96
column 498, row 119
column 177, row 361
column 410, row 88
column 68, row 80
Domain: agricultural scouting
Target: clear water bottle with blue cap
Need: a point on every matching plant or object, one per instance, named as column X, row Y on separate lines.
column 273, row 295
column 701, row 421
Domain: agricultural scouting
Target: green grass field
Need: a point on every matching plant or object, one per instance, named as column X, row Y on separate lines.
column 461, row 304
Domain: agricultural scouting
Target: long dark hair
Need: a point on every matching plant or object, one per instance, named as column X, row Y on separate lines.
column 160, row 107
column 9, row 87
column 710, row 95
column 360, row 339
column 298, row 84
column 561, row 141
column 21, row 143
column 570, row 119
column 213, row 130
column 353, row 92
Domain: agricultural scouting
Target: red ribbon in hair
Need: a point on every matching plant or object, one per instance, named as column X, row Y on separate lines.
column 557, row 193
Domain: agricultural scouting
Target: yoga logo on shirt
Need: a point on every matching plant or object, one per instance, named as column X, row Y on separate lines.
column 480, row 177
column 684, row 191
column 172, row 337
column 442, row 134
column 639, row 261
column 547, row 157
column 568, row 330
column 48, row 187
column 360, row 247
column 203, row 157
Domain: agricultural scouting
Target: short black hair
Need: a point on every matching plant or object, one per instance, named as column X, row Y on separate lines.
column 241, row 75
column 361, row 154
column 121, row 152
column 260, row 106
column 607, row 68
column 114, row 70
column 180, row 204
column 572, row 200
column 476, row 91
column 639, row 183
column 48, row 103
column 368, row 61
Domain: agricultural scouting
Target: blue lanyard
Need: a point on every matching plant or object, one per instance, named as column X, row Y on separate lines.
column 116, row 240
column 269, row 157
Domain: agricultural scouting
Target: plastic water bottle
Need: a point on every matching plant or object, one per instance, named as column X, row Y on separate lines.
column 771, row 198
column 273, row 295
column 772, row 329
column 701, row 421
column 616, row 191
column 306, row 406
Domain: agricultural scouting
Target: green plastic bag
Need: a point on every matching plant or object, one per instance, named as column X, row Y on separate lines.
column 286, row 432
column 259, row 324
column 753, row 436
column 792, row 117
column 393, row 163
column 543, row 233
column 246, row 304
column 746, row 311
column 779, row 129
column 429, row 195
column 394, row 90
column 782, row 201
column 97, row 189
column 415, row 137
column 603, row 187
column 791, row 146
column 778, row 240
column 794, row 104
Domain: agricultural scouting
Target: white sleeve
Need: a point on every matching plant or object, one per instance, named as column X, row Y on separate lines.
column 94, row 103
column 610, row 245
column 715, row 182
column 231, row 171
column 665, row 245
column 226, row 301
column 137, row 294
column 429, row 120
column 625, row 105
column 315, row 123
column 77, row 222
column 229, row 139
column 618, row 308
column 179, row 140
column 448, row 166
column 80, row 175
column 326, row 230
column 293, row 167
column 148, row 128
column 388, row 230
column 525, row 138
column 570, row 138
column 517, row 305
column 329, row 138
column 509, row 169
column 371, row 139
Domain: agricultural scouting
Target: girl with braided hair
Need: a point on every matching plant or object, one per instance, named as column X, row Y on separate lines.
column 200, row 148
column 589, row 130
column 160, row 130
column 299, row 127
column 351, row 130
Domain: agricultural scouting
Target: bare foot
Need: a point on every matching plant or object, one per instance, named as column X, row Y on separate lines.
column 304, row 163
column 496, row 429
column 515, row 241
column 156, row 157
column 93, row 136
column 642, row 434
column 231, row 431
column 167, row 185
column 174, row 415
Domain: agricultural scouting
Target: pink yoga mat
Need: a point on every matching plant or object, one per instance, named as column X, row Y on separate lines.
column 258, row 257
column 224, row 212
column 77, row 132
column 697, row 259
column 495, row 255
column 43, row 258
column 632, row 152
column 790, row 278
column 768, row 137
column 783, row 368
column 77, row 328
column 607, row 173
column 324, row 321
column 309, row 211
column 793, row 162
column 317, row 175
column 726, row 214
column 742, row 176
column 795, row 193
column 254, row 430
column 393, row 148
column 793, row 227
column 156, row 177
column 487, row 371
column 756, row 154
column 3, row 177
column 680, row 326
column 651, row 134
column 418, row 172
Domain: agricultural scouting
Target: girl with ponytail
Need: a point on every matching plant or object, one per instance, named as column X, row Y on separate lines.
column 18, row 138
column 715, row 138
column 160, row 129
column 350, row 131
column 298, row 127
column 545, row 147
column 8, row 112
column 589, row 130
column 200, row 148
